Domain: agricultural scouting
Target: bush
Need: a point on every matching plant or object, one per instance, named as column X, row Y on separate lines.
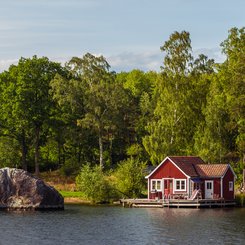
column 92, row 182
column 240, row 200
column 130, row 175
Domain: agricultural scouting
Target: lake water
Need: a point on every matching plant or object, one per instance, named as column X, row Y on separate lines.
column 116, row 225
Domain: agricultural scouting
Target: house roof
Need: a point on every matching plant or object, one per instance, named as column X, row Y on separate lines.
column 193, row 166
column 211, row 170
column 187, row 164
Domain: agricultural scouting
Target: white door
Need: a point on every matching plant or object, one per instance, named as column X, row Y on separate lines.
column 209, row 189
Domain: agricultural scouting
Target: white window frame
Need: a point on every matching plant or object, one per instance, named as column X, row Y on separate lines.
column 156, row 180
column 231, row 185
column 175, row 185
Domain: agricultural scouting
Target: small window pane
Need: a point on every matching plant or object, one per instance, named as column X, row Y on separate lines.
column 230, row 186
column 158, row 185
column 153, row 185
column 209, row 185
column 177, row 184
column 182, row 184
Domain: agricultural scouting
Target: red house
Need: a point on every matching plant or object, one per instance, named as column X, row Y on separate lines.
column 189, row 177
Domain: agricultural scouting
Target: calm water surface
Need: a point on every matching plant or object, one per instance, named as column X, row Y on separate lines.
column 117, row 225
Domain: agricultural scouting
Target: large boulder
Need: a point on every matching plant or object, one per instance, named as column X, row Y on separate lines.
column 20, row 190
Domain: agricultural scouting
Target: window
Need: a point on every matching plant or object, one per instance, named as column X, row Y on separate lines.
column 209, row 186
column 156, row 185
column 180, row 185
column 230, row 185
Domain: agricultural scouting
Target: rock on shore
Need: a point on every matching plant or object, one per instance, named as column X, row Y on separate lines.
column 20, row 190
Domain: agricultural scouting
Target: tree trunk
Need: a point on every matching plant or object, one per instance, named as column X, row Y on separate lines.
column 24, row 151
column 101, row 150
column 37, row 151
column 59, row 153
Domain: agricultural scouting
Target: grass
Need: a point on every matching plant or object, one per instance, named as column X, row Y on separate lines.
column 59, row 181
column 65, row 185
column 78, row 194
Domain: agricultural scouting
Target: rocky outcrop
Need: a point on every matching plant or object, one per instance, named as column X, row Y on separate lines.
column 20, row 190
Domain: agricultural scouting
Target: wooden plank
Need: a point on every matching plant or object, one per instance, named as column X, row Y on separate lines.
column 146, row 206
column 176, row 203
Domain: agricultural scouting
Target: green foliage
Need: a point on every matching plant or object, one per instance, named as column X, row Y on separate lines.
column 70, row 167
column 25, row 102
column 61, row 117
column 135, row 150
column 176, row 113
column 233, row 84
column 9, row 152
column 178, row 53
column 92, row 183
column 240, row 200
column 129, row 176
column 238, row 169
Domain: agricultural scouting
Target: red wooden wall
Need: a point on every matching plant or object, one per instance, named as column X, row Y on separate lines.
column 228, row 195
column 166, row 170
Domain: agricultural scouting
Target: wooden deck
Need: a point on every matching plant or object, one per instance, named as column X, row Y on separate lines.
column 177, row 203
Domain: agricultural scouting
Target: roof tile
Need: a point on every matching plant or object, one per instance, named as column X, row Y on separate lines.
column 211, row 170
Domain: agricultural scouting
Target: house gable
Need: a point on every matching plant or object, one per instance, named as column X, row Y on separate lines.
column 168, row 169
column 185, row 164
column 229, row 168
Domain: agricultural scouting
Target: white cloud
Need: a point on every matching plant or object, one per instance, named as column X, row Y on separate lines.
column 211, row 53
column 4, row 64
column 129, row 60
column 153, row 60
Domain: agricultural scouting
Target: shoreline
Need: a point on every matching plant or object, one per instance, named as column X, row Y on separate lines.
column 75, row 200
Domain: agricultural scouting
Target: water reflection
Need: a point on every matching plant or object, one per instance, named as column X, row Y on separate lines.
column 117, row 225
column 199, row 226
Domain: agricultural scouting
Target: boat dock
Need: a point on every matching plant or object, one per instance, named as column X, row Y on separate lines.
column 177, row 203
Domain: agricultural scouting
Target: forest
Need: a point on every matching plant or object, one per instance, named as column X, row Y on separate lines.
column 55, row 116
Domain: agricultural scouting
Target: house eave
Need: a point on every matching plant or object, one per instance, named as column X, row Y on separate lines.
column 167, row 158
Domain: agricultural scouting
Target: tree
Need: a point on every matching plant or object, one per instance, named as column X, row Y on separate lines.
column 176, row 113
column 211, row 136
column 168, row 130
column 9, row 152
column 103, row 98
column 178, row 57
column 12, row 124
column 27, row 105
column 220, row 137
column 232, row 72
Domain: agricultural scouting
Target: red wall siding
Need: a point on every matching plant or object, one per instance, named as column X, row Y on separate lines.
column 217, row 188
column 202, row 187
column 228, row 195
column 167, row 170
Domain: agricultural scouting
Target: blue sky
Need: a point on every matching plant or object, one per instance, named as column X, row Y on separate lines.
column 128, row 33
